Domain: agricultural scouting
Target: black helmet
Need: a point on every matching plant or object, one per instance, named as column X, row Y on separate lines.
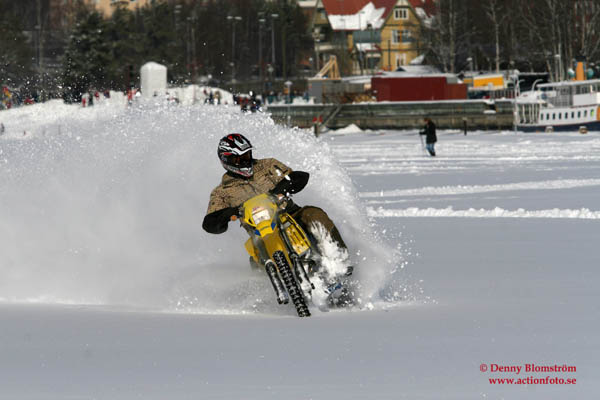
column 235, row 153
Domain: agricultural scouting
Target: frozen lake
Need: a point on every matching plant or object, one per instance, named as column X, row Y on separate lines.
column 111, row 290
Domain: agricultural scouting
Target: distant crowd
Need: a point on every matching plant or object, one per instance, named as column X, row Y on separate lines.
column 246, row 101
column 88, row 99
column 14, row 98
column 253, row 102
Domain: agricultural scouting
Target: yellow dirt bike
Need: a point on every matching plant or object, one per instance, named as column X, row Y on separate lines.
column 279, row 245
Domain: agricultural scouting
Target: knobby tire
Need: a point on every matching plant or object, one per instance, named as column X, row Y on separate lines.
column 291, row 285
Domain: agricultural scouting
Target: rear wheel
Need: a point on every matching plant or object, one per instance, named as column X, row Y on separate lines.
column 291, row 285
column 341, row 297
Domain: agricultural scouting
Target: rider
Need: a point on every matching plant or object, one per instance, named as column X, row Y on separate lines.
column 247, row 177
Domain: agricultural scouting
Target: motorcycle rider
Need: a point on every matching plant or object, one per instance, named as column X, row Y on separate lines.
column 246, row 177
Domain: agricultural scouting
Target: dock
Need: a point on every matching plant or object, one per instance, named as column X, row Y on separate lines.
column 452, row 114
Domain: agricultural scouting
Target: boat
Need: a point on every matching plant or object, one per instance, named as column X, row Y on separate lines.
column 569, row 106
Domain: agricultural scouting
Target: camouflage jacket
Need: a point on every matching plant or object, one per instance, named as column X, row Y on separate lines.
column 232, row 191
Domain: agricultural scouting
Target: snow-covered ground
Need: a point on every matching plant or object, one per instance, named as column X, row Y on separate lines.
column 110, row 289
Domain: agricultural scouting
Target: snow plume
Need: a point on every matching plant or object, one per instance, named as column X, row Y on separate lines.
column 334, row 265
column 335, row 260
column 104, row 205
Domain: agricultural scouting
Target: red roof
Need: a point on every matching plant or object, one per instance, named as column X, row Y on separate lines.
column 427, row 5
column 351, row 7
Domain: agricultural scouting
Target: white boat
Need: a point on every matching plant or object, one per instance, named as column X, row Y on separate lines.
column 561, row 106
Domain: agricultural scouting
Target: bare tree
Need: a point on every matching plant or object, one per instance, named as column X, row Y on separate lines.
column 587, row 20
column 494, row 11
column 542, row 18
column 438, row 37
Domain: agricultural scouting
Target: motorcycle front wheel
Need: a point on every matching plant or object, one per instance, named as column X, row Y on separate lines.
column 290, row 284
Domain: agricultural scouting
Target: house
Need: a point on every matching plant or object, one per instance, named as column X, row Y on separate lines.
column 369, row 35
column 400, row 36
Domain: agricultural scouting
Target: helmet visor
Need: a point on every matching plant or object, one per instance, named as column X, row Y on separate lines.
column 241, row 160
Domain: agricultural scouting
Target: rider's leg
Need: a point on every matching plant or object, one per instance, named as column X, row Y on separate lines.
column 309, row 214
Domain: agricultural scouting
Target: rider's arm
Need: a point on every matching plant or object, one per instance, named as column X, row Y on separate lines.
column 291, row 183
column 216, row 222
column 219, row 212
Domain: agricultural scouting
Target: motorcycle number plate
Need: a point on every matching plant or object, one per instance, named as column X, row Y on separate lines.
column 260, row 214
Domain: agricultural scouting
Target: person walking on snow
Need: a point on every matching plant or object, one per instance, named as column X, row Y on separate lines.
column 430, row 136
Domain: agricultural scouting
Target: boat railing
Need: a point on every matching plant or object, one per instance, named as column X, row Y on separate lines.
column 558, row 98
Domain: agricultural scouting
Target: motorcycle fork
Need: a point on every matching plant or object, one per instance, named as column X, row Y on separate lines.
column 271, row 268
column 299, row 270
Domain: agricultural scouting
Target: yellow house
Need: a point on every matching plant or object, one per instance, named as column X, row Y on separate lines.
column 400, row 41
column 376, row 34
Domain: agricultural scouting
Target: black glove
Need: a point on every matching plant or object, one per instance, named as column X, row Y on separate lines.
column 292, row 183
column 216, row 222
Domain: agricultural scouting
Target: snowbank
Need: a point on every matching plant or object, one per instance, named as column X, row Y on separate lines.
column 497, row 212
column 352, row 128
column 466, row 189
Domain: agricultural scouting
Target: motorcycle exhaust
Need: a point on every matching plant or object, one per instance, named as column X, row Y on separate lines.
column 282, row 296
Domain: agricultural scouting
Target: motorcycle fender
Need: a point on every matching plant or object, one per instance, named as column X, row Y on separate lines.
column 251, row 250
column 274, row 243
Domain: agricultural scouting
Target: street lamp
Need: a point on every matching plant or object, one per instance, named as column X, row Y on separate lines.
column 361, row 58
column 270, row 69
column 317, row 38
column 273, row 18
column 558, row 66
column 191, row 47
column 261, row 22
column 176, row 14
column 370, row 60
column 40, row 51
column 233, row 20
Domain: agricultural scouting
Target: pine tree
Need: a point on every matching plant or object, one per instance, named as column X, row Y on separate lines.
column 87, row 58
column 126, row 44
column 16, row 53
column 160, row 41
